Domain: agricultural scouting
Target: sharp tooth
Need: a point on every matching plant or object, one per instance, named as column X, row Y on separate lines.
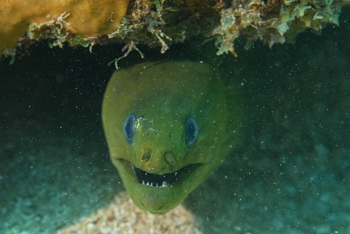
column 133, row 168
column 143, row 182
column 147, row 183
column 156, row 184
column 175, row 173
column 151, row 184
column 145, row 173
column 164, row 184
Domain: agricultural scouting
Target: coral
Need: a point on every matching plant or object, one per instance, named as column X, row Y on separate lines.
column 272, row 21
column 161, row 22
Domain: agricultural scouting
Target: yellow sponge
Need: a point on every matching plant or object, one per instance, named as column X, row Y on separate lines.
column 86, row 18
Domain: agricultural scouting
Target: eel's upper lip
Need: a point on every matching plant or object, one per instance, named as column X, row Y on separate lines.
column 164, row 180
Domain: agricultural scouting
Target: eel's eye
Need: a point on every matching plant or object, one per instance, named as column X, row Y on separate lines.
column 191, row 131
column 129, row 127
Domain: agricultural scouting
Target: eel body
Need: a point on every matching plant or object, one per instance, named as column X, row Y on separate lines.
column 168, row 127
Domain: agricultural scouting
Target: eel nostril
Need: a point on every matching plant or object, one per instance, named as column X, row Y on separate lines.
column 146, row 156
column 169, row 158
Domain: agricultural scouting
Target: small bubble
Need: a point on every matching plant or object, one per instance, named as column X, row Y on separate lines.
column 59, row 79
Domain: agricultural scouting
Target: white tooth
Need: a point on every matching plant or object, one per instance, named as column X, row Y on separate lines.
column 151, row 184
column 147, row 183
column 156, row 184
column 175, row 173
column 164, row 184
column 133, row 168
column 143, row 182
column 145, row 173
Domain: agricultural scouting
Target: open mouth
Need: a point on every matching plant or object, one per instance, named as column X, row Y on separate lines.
column 165, row 180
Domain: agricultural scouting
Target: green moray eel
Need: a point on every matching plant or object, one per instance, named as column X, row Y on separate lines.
column 168, row 127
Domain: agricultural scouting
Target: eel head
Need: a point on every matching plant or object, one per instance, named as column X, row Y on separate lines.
column 168, row 128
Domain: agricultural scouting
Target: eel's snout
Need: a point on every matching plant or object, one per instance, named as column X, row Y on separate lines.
column 157, row 161
column 168, row 157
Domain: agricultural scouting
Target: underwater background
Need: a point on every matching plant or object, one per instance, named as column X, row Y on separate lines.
column 289, row 173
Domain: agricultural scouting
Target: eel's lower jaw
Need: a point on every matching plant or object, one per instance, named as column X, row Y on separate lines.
column 161, row 181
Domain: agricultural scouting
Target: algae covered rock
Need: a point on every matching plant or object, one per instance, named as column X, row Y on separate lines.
column 160, row 23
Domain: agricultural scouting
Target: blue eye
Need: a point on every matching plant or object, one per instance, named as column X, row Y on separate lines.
column 129, row 127
column 191, row 131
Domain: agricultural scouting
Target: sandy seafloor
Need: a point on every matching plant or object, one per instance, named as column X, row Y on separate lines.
column 289, row 173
